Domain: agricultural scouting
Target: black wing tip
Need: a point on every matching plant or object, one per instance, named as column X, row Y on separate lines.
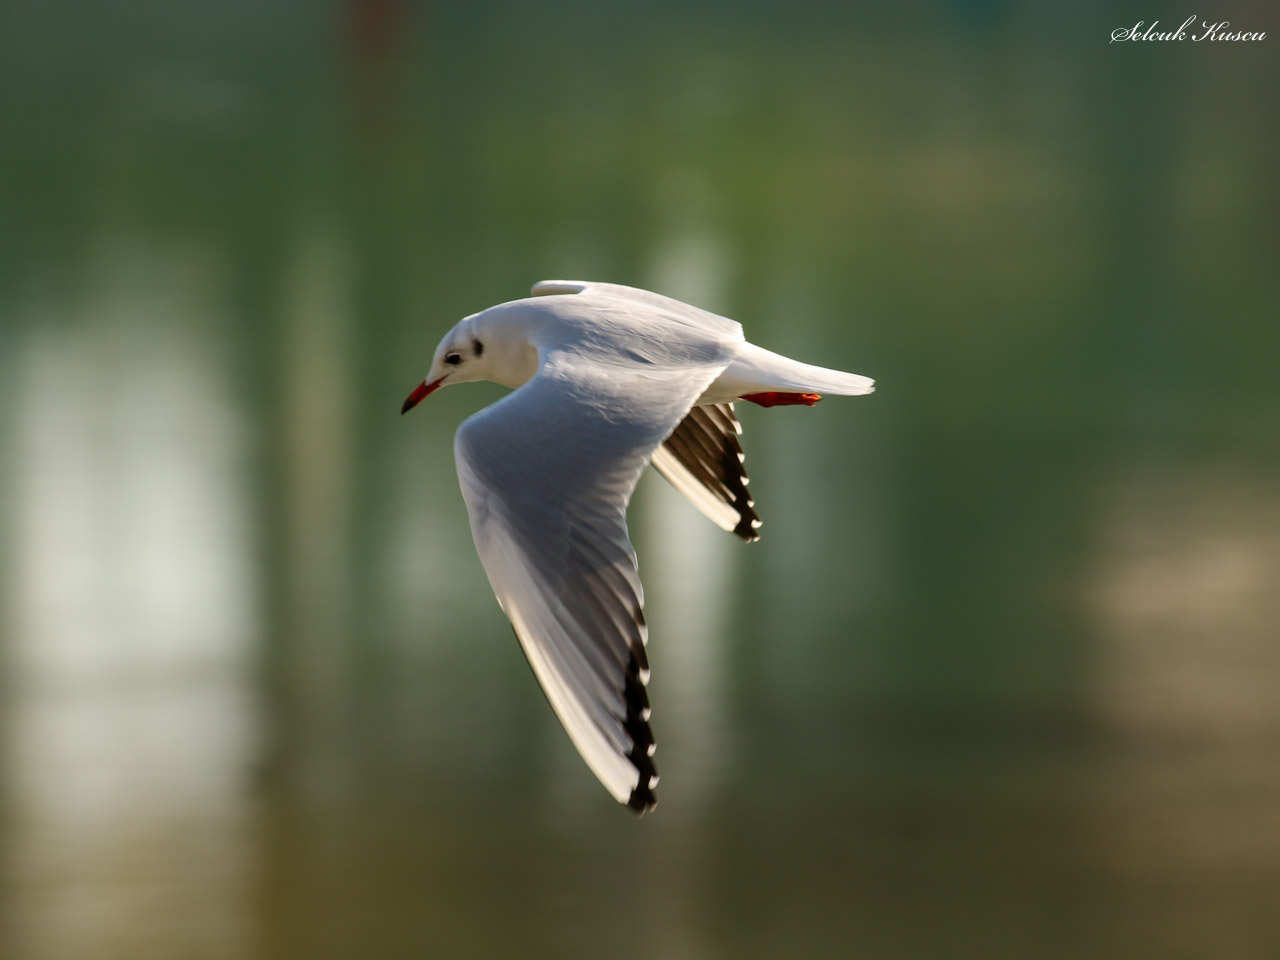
column 642, row 800
column 643, row 746
column 706, row 444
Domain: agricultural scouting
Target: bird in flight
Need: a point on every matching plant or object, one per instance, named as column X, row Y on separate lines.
column 606, row 379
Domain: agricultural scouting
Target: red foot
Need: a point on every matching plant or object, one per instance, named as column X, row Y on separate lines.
column 782, row 399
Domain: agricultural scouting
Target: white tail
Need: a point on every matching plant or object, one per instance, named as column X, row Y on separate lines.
column 757, row 370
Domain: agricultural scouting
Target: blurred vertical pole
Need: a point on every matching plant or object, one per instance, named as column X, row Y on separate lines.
column 262, row 240
column 371, row 153
column 321, row 457
column 374, row 33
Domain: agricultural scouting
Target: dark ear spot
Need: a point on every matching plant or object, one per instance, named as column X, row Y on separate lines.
column 477, row 347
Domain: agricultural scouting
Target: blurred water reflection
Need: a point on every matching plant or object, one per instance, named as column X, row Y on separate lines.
column 131, row 614
column 127, row 471
column 999, row 679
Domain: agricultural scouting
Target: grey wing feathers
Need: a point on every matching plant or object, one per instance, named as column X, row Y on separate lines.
column 703, row 459
column 547, row 473
column 711, row 323
column 565, row 574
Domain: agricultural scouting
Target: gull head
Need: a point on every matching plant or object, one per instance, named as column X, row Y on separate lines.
column 490, row 345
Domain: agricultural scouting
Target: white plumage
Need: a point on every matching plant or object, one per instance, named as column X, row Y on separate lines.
column 606, row 379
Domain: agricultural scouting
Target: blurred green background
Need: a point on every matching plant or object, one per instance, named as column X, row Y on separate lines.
column 1002, row 678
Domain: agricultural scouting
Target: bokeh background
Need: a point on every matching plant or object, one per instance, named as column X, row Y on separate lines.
column 1002, row 678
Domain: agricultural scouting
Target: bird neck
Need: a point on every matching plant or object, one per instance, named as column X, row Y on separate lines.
column 508, row 337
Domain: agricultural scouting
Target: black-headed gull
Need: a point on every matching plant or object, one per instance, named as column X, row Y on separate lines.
column 606, row 379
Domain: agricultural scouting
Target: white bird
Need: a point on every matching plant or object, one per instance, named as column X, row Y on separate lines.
column 606, row 380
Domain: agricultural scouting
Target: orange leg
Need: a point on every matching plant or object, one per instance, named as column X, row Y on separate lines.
column 782, row 399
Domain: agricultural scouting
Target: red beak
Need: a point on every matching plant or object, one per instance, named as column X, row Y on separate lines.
column 419, row 394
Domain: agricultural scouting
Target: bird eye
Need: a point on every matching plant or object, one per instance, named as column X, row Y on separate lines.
column 453, row 358
column 477, row 347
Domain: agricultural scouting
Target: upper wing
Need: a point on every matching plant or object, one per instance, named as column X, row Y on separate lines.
column 702, row 457
column 711, row 322
column 546, row 473
column 703, row 460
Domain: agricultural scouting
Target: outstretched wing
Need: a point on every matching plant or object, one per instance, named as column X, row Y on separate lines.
column 712, row 323
column 703, row 460
column 547, row 473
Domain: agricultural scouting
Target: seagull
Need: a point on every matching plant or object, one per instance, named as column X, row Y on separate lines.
column 605, row 380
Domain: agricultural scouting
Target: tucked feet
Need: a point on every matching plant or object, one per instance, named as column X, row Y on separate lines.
column 772, row 399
